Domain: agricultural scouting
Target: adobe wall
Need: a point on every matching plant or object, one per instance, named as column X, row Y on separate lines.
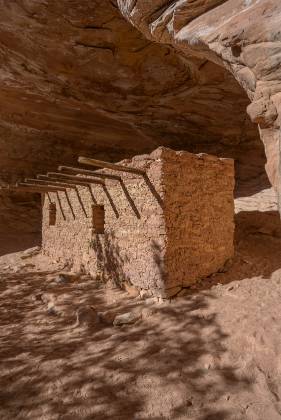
column 162, row 232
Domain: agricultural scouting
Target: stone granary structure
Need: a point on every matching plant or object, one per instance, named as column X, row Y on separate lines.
column 160, row 221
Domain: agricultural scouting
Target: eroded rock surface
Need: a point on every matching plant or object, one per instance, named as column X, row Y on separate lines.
column 242, row 36
column 77, row 78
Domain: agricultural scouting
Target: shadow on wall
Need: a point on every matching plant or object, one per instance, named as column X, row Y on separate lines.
column 109, row 260
column 257, row 250
column 158, row 260
column 155, row 368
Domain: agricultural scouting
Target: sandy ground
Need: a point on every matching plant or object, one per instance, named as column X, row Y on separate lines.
column 213, row 354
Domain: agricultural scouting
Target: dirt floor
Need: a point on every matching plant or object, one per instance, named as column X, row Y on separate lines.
column 212, row 354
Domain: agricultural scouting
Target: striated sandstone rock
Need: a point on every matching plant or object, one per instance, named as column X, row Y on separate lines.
column 240, row 36
column 76, row 77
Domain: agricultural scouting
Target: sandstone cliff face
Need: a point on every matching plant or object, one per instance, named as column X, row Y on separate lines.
column 242, row 36
column 77, row 78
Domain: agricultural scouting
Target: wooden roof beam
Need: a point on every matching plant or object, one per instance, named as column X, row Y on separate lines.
column 75, row 179
column 65, row 181
column 39, row 187
column 22, row 187
column 49, row 183
column 108, row 165
column 71, row 170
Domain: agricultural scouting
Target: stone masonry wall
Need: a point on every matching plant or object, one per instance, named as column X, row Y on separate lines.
column 162, row 231
column 134, row 224
column 199, row 209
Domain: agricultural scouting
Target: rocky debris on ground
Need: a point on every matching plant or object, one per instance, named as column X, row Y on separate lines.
column 66, row 278
column 31, row 252
column 126, row 318
column 133, row 291
column 145, row 294
column 62, row 279
column 52, row 310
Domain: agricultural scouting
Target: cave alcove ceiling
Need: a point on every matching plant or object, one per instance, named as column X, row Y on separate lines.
column 81, row 78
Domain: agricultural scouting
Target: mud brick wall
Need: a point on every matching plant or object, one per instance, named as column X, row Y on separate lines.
column 162, row 231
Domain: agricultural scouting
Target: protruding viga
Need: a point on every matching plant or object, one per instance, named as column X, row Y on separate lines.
column 160, row 231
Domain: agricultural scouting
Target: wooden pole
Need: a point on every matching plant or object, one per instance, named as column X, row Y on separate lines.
column 65, row 181
column 108, row 165
column 71, row 170
column 49, row 183
column 75, row 178
column 39, row 187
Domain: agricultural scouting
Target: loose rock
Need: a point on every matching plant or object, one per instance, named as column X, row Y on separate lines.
column 127, row 318
column 52, row 311
column 62, row 279
column 144, row 294
column 131, row 290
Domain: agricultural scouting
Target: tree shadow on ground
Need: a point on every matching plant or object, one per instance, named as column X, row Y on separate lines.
column 161, row 367
column 171, row 364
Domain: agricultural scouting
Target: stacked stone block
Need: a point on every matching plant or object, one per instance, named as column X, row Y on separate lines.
column 162, row 231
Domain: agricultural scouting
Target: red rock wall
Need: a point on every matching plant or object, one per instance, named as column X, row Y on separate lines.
column 241, row 36
column 77, row 78
column 163, row 231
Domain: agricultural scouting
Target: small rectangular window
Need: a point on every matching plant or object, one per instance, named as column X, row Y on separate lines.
column 98, row 218
column 52, row 214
